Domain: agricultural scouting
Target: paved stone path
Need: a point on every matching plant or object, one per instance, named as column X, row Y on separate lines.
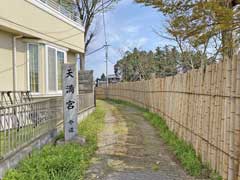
column 130, row 149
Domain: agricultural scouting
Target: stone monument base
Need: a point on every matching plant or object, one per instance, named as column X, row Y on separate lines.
column 76, row 139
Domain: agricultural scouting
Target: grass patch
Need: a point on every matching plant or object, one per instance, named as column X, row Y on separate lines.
column 182, row 150
column 155, row 167
column 62, row 162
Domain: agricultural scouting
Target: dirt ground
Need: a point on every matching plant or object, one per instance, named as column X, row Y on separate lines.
column 131, row 149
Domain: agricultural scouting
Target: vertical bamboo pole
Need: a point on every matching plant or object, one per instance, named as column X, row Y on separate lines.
column 185, row 107
column 164, row 100
column 223, row 120
column 145, row 94
column 180, row 88
column 198, row 109
column 211, row 115
column 232, row 118
column 237, row 117
column 205, row 115
column 159, row 96
column 188, row 136
column 176, row 126
column 215, row 116
column 190, row 107
column 201, row 144
column 154, row 94
column 195, row 109
column 170, row 104
column 227, row 117
column 218, row 115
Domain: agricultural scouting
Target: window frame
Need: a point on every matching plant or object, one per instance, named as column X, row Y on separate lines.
column 57, row 49
column 28, row 70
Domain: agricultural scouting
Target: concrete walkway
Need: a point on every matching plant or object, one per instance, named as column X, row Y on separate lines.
column 130, row 149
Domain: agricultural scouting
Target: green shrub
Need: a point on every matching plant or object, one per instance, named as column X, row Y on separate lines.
column 62, row 162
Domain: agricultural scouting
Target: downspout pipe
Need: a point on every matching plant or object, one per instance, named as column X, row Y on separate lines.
column 14, row 59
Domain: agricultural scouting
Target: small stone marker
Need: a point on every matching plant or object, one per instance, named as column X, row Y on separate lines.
column 70, row 101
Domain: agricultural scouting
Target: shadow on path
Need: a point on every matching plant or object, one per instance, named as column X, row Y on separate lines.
column 131, row 149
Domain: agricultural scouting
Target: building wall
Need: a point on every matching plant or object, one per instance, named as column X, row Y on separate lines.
column 6, row 71
column 21, row 66
column 25, row 17
column 5, row 61
column 6, row 67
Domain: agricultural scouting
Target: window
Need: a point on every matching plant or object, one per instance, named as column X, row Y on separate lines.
column 52, row 81
column 33, row 67
column 55, row 61
column 60, row 62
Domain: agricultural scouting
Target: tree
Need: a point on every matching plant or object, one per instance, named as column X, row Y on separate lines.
column 135, row 65
column 103, row 77
column 201, row 23
column 167, row 61
column 88, row 10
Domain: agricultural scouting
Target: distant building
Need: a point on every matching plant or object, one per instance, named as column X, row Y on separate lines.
column 112, row 79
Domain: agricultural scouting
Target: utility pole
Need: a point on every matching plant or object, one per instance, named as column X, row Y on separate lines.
column 106, row 56
column 106, row 44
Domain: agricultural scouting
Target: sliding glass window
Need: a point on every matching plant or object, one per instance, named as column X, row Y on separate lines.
column 33, row 62
column 55, row 60
column 52, row 80
column 60, row 62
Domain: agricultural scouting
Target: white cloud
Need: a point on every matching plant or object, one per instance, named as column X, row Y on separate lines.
column 124, row 3
column 135, row 43
column 142, row 41
column 131, row 29
column 114, row 37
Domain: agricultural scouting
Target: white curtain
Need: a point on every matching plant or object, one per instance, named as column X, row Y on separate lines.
column 33, row 67
column 52, row 79
column 60, row 61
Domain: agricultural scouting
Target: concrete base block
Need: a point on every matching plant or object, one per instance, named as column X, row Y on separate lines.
column 13, row 159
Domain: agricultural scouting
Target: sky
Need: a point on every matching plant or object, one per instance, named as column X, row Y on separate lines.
column 128, row 25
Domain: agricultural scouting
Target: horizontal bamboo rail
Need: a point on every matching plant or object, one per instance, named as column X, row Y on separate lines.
column 201, row 107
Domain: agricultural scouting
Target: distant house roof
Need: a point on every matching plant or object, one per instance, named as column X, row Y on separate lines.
column 113, row 76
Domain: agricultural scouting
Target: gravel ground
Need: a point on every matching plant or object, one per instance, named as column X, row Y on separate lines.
column 131, row 149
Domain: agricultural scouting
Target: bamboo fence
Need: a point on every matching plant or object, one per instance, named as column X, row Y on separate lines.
column 201, row 107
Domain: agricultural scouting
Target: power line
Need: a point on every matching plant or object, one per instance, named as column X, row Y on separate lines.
column 112, row 62
column 67, row 37
column 10, row 69
column 63, row 31
column 96, row 50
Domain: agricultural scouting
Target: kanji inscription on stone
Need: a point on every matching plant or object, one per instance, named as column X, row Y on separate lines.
column 70, row 101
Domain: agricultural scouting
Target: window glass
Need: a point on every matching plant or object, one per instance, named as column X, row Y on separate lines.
column 60, row 61
column 33, row 68
column 52, row 79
